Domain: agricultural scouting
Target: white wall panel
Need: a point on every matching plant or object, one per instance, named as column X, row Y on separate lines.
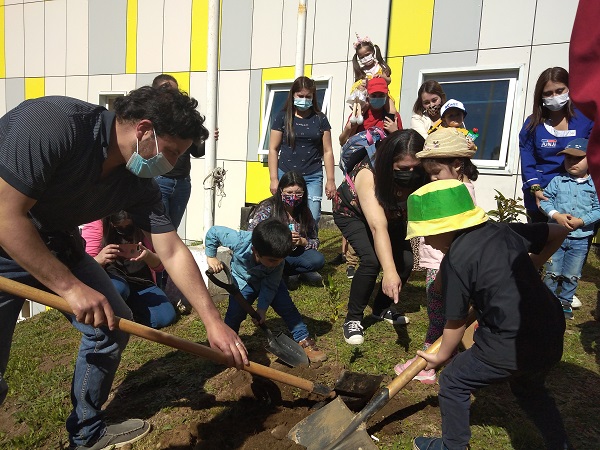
column 55, row 86
column 14, row 46
column 123, row 82
column 77, row 87
column 97, row 84
column 150, row 36
column 176, row 44
column 331, row 32
column 554, row 21
column 193, row 223
column 485, row 185
column 506, row 23
column 233, row 115
column 34, row 39
column 77, row 38
column 362, row 23
column 266, row 33
column 55, row 46
column 198, row 89
column 2, row 97
column 228, row 213
column 289, row 29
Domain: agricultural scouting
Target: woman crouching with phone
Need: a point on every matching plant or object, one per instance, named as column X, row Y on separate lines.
column 129, row 259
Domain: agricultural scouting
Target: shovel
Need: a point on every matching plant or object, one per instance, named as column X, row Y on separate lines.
column 281, row 345
column 136, row 329
column 335, row 427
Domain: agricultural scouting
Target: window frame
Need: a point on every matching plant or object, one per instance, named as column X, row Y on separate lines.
column 104, row 97
column 513, row 116
column 270, row 88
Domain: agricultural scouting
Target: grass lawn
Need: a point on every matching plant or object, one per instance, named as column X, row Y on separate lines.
column 195, row 404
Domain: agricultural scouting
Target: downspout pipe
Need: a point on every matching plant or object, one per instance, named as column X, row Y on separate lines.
column 300, row 39
column 212, row 75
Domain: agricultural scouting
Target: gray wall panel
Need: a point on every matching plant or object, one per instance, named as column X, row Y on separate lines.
column 410, row 78
column 15, row 92
column 455, row 26
column 107, row 36
column 254, row 116
column 236, row 35
column 145, row 79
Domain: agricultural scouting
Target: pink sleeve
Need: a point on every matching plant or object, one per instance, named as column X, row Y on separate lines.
column 92, row 233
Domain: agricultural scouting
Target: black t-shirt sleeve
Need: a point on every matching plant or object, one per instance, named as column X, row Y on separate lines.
column 534, row 235
column 455, row 290
column 278, row 121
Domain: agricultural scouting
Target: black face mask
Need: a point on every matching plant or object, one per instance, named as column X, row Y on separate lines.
column 409, row 178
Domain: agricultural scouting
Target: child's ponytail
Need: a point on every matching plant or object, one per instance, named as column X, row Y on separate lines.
column 384, row 67
column 468, row 169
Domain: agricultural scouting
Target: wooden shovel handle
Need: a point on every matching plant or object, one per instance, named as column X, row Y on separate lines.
column 56, row 302
column 419, row 364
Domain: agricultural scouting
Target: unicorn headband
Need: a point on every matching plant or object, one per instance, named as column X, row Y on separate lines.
column 362, row 40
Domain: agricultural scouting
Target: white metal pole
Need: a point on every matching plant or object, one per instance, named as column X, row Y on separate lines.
column 210, row 158
column 300, row 38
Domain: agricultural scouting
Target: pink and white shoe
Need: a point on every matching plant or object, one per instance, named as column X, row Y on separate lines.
column 424, row 376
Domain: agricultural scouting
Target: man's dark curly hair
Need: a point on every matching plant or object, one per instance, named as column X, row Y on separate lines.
column 172, row 112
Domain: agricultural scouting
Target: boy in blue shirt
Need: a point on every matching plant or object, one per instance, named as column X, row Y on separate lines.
column 572, row 202
column 257, row 268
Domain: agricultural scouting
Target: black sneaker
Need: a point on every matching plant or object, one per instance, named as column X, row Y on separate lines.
column 292, row 282
column 119, row 435
column 353, row 332
column 392, row 317
column 350, row 271
column 339, row 259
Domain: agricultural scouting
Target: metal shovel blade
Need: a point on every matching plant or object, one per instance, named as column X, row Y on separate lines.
column 324, row 426
column 286, row 349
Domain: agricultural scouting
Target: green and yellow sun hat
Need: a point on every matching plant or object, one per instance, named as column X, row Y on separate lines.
column 442, row 206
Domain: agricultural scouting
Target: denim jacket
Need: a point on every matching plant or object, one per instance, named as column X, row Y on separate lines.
column 567, row 196
column 244, row 268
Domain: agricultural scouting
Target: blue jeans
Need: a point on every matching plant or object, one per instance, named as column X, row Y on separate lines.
column 150, row 306
column 303, row 261
column 99, row 351
column 466, row 374
column 564, row 268
column 314, row 184
column 282, row 304
column 175, row 196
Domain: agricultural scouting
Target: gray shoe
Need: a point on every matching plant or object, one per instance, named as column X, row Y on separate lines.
column 119, row 435
column 292, row 282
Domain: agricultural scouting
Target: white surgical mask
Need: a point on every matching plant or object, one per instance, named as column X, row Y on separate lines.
column 556, row 102
column 366, row 60
column 148, row 168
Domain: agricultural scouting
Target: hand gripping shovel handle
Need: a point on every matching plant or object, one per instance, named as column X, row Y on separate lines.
column 233, row 290
column 136, row 329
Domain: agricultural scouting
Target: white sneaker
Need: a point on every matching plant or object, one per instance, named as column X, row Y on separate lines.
column 576, row 303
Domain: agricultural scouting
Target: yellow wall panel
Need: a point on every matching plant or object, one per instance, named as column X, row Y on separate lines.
column 131, row 45
column 410, row 27
column 183, row 80
column 2, row 55
column 395, row 87
column 199, row 35
column 257, row 181
column 34, row 87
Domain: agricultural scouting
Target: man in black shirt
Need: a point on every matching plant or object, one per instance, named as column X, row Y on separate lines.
column 488, row 266
column 64, row 162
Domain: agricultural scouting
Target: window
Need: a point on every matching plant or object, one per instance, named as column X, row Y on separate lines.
column 107, row 99
column 276, row 93
column 489, row 98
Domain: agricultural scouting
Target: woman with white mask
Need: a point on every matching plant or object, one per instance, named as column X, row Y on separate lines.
column 553, row 123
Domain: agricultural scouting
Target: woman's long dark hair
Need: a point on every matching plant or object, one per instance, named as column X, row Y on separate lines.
column 110, row 235
column 431, row 87
column 301, row 213
column 396, row 146
column 556, row 75
column 289, row 108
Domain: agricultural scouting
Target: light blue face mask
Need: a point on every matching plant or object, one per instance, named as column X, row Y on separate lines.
column 377, row 102
column 148, row 168
column 302, row 103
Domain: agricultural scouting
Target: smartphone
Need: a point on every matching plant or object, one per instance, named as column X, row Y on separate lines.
column 129, row 250
column 390, row 116
column 292, row 227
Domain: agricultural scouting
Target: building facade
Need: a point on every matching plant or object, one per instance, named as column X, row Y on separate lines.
column 486, row 53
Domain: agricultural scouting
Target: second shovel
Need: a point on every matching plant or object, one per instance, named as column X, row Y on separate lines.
column 280, row 345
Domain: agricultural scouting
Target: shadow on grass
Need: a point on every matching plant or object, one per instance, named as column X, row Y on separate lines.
column 575, row 391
